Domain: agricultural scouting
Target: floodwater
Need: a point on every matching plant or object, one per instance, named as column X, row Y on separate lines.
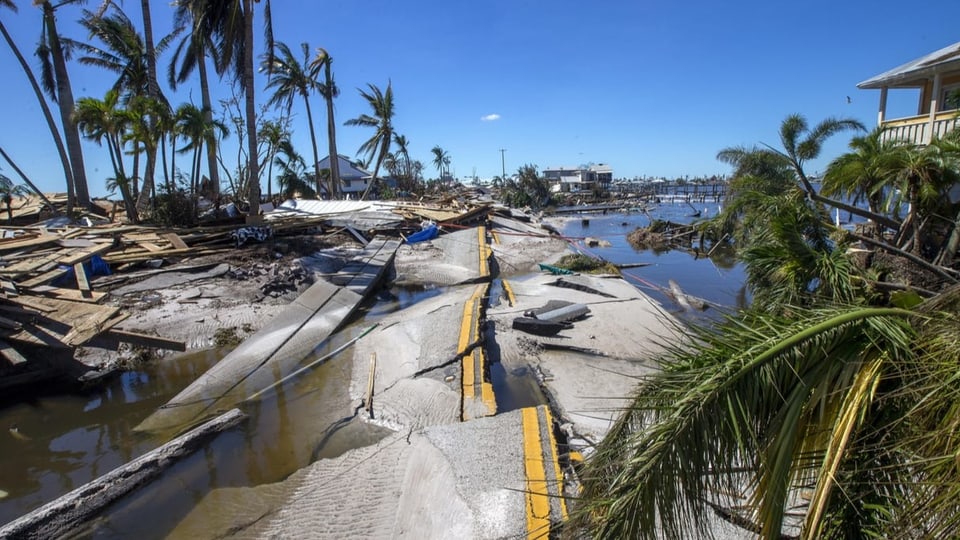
column 56, row 443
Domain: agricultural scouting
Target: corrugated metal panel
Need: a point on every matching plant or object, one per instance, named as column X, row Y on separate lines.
column 912, row 71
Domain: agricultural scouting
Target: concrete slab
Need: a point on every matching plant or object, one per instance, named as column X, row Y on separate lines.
column 271, row 353
column 518, row 247
column 454, row 258
column 420, row 341
column 461, row 480
column 590, row 369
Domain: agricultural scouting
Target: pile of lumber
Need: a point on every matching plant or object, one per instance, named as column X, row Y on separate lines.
column 48, row 306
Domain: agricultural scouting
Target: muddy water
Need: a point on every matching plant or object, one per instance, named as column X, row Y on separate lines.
column 58, row 443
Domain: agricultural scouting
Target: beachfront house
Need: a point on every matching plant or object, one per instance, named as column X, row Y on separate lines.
column 577, row 179
column 353, row 178
column 936, row 78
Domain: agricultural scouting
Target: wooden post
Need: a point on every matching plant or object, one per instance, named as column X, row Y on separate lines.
column 882, row 113
column 370, row 379
column 934, row 104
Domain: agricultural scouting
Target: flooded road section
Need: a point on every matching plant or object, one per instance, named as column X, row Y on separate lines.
column 51, row 445
column 57, row 443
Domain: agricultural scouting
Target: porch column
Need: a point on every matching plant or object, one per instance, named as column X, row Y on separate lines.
column 934, row 98
column 882, row 113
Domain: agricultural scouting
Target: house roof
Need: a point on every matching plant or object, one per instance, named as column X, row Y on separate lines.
column 916, row 72
column 347, row 169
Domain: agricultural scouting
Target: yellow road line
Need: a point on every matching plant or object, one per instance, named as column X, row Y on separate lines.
column 483, row 251
column 537, row 498
column 556, row 463
column 510, row 296
column 496, row 237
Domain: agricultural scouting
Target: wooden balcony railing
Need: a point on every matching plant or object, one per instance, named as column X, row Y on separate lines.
column 916, row 129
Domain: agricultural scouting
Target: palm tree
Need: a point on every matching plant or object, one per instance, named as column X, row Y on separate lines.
column 925, row 175
column 9, row 190
column 440, row 159
column 191, row 53
column 272, row 133
column 292, row 172
column 800, row 145
column 291, row 78
column 103, row 121
column 55, row 80
column 329, row 90
column 849, row 405
column 865, row 171
column 378, row 145
column 45, row 109
column 132, row 58
column 193, row 125
column 231, row 25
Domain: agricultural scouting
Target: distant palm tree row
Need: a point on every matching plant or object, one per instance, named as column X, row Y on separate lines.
column 134, row 119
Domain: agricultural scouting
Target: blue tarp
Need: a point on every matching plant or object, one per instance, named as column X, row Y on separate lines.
column 428, row 233
column 96, row 266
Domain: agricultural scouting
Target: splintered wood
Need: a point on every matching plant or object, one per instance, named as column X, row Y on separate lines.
column 47, row 295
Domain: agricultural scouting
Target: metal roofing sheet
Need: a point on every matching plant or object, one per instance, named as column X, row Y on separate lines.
column 909, row 74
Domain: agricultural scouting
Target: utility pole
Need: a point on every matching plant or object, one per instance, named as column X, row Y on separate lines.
column 503, row 167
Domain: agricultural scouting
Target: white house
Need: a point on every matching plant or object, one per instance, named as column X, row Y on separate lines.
column 574, row 179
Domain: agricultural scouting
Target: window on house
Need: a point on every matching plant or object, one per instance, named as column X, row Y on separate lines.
column 949, row 98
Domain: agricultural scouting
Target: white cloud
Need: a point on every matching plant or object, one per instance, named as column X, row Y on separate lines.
column 490, row 117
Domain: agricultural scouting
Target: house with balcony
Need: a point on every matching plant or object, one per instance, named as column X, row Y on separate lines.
column 354, row 179
column 576, row 179
column 936, row 78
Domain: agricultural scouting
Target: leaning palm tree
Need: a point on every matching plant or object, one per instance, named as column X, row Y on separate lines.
column 44, row 108
column 191, row 54
column 866, row 171
column 329, row 90
column 378, row 145
column 55, row 81
column 292, row 78
column 800, row 145
column 231, row 25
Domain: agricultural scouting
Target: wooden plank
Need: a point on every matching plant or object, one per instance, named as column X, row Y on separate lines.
column 145, row 340
column 150, row 246
column 73, row 295
column 30, row 242
column 12, row 355
column 86, row 254
column 82, row 282
column 91, row 323
column 8, row 287
column 33, row 303
column 175, row 240
column 45, row 277
column 9, row 324
column 31, row 264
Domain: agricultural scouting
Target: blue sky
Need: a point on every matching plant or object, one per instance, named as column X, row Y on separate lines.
column 651, row 88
